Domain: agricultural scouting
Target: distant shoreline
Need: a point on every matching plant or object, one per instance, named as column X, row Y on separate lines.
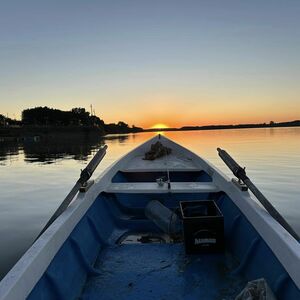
column 295, row 123
column 36, row 133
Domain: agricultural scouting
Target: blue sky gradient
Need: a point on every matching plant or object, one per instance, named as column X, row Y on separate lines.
column 147, row 62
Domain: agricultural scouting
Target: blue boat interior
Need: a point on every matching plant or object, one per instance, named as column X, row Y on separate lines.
column 115, row 252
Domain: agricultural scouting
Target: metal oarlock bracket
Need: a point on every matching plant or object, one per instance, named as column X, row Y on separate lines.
column 86, row 186
column 240, row 185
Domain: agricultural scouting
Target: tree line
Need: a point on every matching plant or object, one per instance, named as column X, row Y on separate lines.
column 49, row 117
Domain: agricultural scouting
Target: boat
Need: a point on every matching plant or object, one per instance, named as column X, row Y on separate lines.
column 121, row 237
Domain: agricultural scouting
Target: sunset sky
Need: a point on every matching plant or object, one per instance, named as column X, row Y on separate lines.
column 153, row 62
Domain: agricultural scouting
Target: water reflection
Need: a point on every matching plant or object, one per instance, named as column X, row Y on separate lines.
column 50, row 151
column 118, row 138
column 7, row 150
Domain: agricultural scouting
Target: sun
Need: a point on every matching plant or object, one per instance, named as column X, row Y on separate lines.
column 160, row 126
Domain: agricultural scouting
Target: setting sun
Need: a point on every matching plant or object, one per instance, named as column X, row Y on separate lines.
column 160, row 126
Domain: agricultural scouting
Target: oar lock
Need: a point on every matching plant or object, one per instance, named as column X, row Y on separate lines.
column 85, row 186
column 85, row 175
column 240, row 184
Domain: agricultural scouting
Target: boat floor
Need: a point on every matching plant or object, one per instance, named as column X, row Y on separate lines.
column 162, row 271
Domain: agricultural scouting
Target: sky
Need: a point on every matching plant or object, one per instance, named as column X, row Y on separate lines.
column 148, row 62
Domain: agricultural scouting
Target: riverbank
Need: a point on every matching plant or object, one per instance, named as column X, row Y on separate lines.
column 46, row 123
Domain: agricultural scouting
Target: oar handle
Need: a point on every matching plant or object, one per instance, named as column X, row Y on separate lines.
column 85, row 175
column 240, row 173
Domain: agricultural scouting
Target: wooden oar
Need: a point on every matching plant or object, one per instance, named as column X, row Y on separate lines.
column 240, row 173
column 84, row 177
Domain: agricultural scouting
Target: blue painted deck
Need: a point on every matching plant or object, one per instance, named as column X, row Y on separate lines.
column 162, row 271
column 91, row 265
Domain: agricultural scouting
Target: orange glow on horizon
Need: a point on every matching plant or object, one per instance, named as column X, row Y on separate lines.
column 159, row 126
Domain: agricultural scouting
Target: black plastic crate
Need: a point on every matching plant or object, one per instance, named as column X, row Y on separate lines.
column 203, row 226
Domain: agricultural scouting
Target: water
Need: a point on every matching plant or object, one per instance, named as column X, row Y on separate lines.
column 35, row 177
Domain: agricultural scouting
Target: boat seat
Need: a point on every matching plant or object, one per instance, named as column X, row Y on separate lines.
column 153, row 187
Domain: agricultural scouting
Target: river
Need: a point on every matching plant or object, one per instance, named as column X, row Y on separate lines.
column 36, row 176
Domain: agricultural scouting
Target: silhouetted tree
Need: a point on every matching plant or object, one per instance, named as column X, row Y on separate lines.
column 78, row 116
column 4, row 121
column 44, row 116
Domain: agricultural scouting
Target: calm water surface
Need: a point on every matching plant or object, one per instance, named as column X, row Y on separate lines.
column 35, row 177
